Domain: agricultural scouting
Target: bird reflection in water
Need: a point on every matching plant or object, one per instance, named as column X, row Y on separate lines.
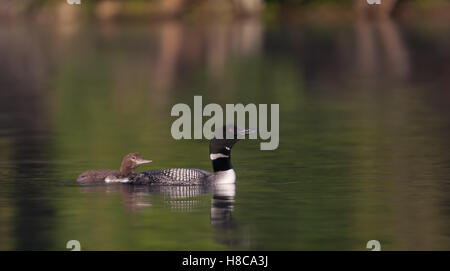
column 227, row 230
column 185, row 199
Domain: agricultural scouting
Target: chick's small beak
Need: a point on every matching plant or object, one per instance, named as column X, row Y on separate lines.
column 143, row 161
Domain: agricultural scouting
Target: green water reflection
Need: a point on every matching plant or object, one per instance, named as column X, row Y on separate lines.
column 364, row 128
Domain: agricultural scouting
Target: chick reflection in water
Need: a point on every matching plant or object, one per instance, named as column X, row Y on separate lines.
column 185, row 199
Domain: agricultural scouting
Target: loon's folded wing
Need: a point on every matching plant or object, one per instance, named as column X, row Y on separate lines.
column 173, row 176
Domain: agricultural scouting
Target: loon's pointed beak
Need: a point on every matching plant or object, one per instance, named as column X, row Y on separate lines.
column 143, row 161
column 246, row 131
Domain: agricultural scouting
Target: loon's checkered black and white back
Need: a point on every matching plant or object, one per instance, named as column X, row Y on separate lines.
column 178, row 176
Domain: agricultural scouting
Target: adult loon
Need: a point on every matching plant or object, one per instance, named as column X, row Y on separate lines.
column 129, row 163
column 220, row 155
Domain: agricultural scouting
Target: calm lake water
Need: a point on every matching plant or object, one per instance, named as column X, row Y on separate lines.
column 364, row 134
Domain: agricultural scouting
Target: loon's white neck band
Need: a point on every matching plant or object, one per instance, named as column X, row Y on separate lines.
column 214, row 156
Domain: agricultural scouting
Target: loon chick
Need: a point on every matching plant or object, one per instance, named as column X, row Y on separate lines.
column 129, row 163
column 220, row 155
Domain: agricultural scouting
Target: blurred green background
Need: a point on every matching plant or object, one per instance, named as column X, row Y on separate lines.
column 364, row 122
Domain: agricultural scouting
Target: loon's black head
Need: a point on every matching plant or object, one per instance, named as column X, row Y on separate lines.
column 225, row 139
column 220, row 146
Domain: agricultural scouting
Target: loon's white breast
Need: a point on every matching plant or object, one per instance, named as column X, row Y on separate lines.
column 225, row 177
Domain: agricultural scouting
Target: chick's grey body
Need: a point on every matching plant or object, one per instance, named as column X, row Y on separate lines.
column 129, row 163
column 97, row 176
column 178, row 176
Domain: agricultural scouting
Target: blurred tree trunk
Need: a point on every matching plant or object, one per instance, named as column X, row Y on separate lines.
column 248, row 7
column 241, row 7
column 172, row 7
column 379, row 42
column 108, row 9
column 375, row 11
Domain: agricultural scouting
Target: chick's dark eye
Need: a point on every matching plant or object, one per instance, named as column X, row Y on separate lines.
column 133, row 158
